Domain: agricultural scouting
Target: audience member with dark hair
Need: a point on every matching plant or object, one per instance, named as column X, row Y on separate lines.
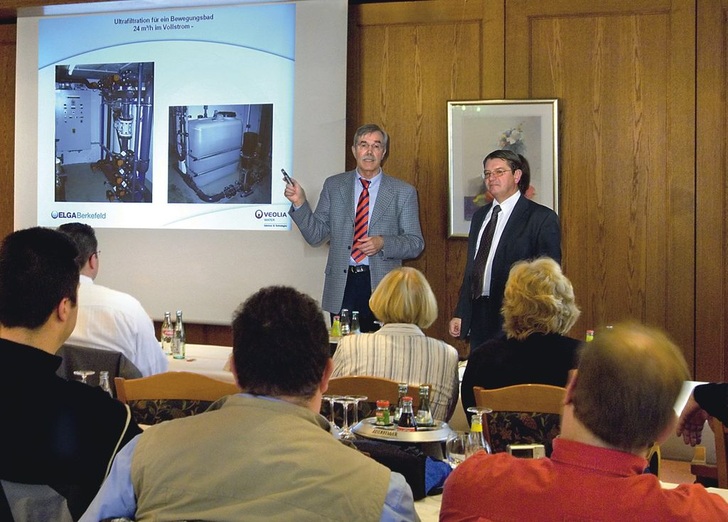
column 265, row 454
column 57, row 433
column 618, row 403
column 109, row 319
column 400, row 351
column 538, row 311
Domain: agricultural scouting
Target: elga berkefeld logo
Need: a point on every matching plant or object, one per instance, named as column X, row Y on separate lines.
column 78, row 215
column 259, row 214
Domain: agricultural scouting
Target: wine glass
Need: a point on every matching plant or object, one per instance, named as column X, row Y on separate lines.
column 332, row 416
column 476, row 438
column 346, row 433
column 83, row 374
column 455, row 448
column 356, row 399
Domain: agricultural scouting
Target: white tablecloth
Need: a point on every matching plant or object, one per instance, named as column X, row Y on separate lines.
column 206, row 359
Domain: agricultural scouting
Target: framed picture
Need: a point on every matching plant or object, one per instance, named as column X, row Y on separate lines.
column 476, row 128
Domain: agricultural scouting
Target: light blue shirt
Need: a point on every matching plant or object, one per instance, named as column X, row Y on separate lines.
column 116, row 497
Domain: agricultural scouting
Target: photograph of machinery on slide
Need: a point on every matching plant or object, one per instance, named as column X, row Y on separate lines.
column 220, row 154
column 103, row 132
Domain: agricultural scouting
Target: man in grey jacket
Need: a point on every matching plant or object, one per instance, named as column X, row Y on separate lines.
column 370, row 219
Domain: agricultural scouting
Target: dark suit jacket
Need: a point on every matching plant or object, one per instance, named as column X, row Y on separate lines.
column 532, row 231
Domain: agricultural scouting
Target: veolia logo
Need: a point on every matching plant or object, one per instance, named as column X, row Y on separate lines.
column 258, row 214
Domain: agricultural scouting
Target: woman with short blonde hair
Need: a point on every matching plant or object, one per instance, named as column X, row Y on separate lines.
column 404, row 296
column 405, row 304
column 538, row 310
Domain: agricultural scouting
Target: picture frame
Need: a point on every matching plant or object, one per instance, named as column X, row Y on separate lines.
column 476, row 128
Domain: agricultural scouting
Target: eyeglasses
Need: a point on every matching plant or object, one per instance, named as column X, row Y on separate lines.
column 98, row 253
column 363, row 145
column 497, row 173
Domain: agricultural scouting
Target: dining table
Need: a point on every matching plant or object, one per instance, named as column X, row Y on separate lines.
column 206, row 359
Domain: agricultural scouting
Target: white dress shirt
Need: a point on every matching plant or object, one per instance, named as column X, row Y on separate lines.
column 115, row 321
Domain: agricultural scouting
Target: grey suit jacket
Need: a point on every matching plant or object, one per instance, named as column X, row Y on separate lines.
column 395, row 217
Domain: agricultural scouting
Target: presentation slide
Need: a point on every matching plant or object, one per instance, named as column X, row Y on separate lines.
column 175, row 118
column 166, row 129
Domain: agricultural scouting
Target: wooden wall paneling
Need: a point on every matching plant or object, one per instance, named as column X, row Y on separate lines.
column 711, row 278
column 626, row 135
column 406, row 60
column 7, row 126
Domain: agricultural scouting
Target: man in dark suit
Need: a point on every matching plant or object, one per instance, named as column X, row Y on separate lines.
column 388, row 211
column 509, row 229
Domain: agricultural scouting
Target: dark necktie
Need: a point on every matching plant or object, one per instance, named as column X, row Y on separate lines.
column 481, row 257
column 361, row 221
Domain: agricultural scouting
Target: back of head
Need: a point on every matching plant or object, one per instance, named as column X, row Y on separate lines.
column 628, row 380
column 515, row 162
column 38, row 270
column 280, row 343
column 84, row 237
column 538, row 298
column 404, row 296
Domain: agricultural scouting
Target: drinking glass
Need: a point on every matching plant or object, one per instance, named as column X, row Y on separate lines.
column 346, row 433
column 455, row 448
column 356, row 400
column 332, row 416
column 476, row 438
column 83, row 374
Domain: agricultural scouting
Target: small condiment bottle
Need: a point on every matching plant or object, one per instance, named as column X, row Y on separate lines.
column 407, row 421
column 382, row 413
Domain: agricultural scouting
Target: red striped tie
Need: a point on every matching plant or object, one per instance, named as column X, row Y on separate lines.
column 361, row 221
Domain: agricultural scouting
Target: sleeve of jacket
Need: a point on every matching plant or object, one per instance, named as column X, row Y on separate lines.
column 315, row 226
column 549, row 237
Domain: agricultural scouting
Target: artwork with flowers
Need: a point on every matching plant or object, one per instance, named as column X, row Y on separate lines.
column 476, row 128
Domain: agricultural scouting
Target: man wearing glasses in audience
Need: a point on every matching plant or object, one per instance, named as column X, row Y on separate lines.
column 370, row 219
column 509, row 229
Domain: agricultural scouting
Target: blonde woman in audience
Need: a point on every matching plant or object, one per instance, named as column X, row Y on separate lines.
column 539, row 309
column 405, row 304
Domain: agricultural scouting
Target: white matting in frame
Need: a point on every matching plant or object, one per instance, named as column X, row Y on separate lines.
column 476, row 128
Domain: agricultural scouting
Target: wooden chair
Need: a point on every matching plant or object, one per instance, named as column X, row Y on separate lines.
column 531, row 411
column 375, row 388
column 170, row 395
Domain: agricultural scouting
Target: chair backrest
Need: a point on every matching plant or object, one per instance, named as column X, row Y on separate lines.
column 374, row 388
column 540, row 403
column 721, row 455
column 84, row 358
column 171, row 395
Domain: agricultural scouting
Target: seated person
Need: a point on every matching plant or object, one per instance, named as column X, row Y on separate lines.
column 109, row 319
column 59, row 433
column 403, row 301
column 706, row 400
column 538, row 310
column 618, row 403
column 265, row 454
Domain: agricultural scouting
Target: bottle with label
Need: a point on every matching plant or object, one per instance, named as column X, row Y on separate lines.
column 345, row 322
column 407, row 420
column 402, row 392
column 476, row 438
column 336, row 327
column 104, row 382
column 424, row 414
column 589, row 336
column 355, row 328
column 382, row 413
column 179, row 340
column 167, row 334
